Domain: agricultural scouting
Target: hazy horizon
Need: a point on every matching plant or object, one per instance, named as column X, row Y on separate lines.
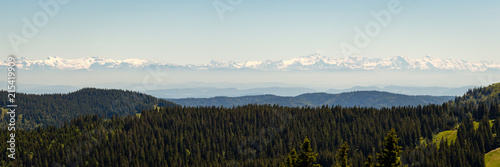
column 197, row 32
column 193, row 32
column 144, row 81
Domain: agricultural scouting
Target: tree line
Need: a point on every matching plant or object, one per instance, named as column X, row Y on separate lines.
column 265, row 135
column 253, row 135
column 55, row 109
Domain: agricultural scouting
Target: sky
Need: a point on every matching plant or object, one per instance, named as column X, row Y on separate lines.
column 198, row 31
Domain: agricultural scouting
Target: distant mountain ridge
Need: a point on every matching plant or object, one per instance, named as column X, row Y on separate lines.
column 432, row 91
column 314, row 62
column 360, row 98
column 206, row 90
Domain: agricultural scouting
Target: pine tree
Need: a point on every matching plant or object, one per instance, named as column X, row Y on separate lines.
column 291, row 159
column 307, row 157
column 369, row 162
column 390, row 154
column 494, row 111
column 342, row 156
column 496, row 130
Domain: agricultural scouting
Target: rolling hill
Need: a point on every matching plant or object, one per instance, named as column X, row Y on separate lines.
column 360, row 98
column 54, row 109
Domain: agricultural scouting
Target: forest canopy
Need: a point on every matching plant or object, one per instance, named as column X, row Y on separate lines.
column 264, row 135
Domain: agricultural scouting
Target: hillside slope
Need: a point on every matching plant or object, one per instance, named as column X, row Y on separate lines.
column 487, row 94
column 53, row 109
column 492, row 158
column 360, row 98
column 262, row 135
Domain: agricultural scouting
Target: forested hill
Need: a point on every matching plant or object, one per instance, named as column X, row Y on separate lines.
column 53, row 109
column 263, row 135
column 487, row 94
column 374, row 99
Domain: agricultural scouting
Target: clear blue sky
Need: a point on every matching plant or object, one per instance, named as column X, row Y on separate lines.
column 191, row 32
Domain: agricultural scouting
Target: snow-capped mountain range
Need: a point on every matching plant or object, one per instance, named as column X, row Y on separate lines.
column 314, row 62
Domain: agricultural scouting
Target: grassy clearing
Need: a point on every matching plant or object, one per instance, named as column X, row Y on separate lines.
column 492, row 159
column 449, row 135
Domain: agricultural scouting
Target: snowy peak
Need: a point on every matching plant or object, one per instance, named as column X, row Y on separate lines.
column 58, row 63
column 314, row 62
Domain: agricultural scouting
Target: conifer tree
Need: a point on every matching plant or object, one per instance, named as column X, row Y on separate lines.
column 291, row 159
column 342, row 156
column 307, row 157
column 494, row 111
column 369, row 162
column 390, row 153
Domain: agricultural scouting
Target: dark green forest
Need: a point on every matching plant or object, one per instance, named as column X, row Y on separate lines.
column 55, row 109
column 260, row 135
column 374, row 99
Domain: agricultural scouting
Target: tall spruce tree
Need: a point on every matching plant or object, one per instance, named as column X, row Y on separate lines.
column 291, row 159
column 390, row 153
column 342, row 156
column 369, row 162
column 306, row 158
